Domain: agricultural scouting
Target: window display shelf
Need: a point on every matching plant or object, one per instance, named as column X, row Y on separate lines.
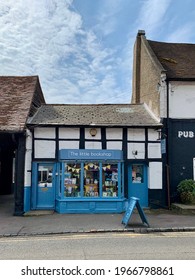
column 72, row 190
column 91, row 190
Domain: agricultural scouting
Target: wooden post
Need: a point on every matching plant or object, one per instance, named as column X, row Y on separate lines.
column 19, row 176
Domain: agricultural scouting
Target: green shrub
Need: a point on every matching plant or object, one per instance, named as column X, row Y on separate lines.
column 186, row 189
column 187, row 185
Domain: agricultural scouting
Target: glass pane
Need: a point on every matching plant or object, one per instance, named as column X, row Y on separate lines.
column 110, row 180
column 72, row 176
column 45, row 175
column 91, row 179
column 137, row 173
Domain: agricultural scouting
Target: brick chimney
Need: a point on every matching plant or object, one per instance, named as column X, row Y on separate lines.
column 137, row 67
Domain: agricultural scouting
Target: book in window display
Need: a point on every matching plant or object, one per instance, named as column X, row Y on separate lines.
column 72, row 180
column 110, row 180
column 91, row 179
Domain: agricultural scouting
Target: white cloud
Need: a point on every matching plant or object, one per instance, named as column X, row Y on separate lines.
column 75, row 62
column 152, row 15
column 107, row 16
column 47, row 38
column 182, row 33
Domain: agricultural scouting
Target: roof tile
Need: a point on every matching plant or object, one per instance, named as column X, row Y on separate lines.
column 97, row 115
column 177, row 58
column 16, row 98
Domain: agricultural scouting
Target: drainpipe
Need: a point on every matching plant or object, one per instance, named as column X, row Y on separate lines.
column 167, row 149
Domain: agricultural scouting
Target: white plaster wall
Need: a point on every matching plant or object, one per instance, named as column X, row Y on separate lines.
column 28, row 140
column 88, row 135
column 44, row 149
column 152, row 135
column 28, row 159
column 69, row 133
column 44, row 132
column 114, row 145
column 139, row 147
column 135, row 134
column 93, row 145
column 182, row 100
column 155, row 175
column 68, row 145
column 154, row 150
column 114, row 133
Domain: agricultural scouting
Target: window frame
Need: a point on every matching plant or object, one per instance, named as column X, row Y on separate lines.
column 120, row 191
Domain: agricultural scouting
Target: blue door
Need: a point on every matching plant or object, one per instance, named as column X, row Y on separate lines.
column 44, row 186
column 138, row 183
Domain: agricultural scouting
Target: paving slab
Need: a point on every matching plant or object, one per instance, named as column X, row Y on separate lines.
column 50, row 222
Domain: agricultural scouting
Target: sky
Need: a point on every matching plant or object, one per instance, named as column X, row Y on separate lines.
column 82, row 50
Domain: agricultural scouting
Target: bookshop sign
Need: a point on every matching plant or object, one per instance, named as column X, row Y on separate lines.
column 90, row 154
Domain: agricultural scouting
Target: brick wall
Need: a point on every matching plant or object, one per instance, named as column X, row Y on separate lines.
column 146, row 76
column 149, row 79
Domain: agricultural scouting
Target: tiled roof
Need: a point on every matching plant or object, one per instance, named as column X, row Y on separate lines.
column 98, row 115
column 178, row 59
column 19, row 98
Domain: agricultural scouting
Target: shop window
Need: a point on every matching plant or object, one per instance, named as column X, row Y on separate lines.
column 45, row 175
column 137, row 173
column 91, row 179
column 72, row 174
column 110, row 180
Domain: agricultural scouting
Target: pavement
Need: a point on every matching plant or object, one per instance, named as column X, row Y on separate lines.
column 180, row 218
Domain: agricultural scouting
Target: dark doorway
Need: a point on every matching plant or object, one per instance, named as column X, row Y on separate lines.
column 7, row 153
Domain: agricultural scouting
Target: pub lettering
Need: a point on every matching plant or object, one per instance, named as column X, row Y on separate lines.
column 185, row 134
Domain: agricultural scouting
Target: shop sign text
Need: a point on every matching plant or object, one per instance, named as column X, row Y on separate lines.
column 185, row 134
column 90, row 154
column 86, row 154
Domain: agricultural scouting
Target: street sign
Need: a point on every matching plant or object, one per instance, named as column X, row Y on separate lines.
column 163, row 146
column 134, row 201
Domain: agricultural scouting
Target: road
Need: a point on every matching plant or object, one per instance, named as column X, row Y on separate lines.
column 106, row 246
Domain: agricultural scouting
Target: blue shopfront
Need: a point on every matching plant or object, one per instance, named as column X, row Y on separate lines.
column 82, row 181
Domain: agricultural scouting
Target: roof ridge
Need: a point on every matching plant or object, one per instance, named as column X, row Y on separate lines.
column 170, row 43
column 92, row 104
column 19, row 76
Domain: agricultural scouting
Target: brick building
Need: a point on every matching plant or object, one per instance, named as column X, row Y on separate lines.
column 164, row 79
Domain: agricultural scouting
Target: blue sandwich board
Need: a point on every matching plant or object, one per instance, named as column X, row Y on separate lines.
column 134, row 201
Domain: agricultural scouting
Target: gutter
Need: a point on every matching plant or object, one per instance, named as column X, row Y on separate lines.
column 182, row 79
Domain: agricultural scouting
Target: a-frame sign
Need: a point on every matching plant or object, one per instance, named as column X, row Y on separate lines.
column 134, row 201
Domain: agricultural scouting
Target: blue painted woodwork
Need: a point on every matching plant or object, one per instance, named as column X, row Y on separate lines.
column 43, row 195
column 53, row 197
column 139, row 190
column 90, row 205
column 134, row 201
column 27, row 198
